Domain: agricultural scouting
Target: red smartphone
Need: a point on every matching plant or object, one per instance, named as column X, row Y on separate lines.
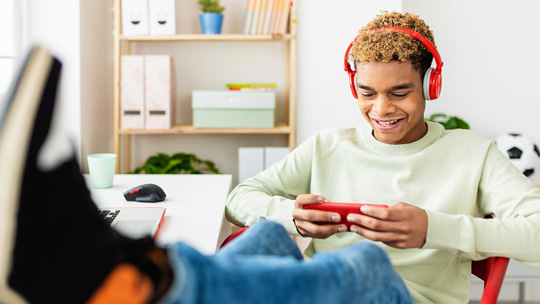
column 342, row 208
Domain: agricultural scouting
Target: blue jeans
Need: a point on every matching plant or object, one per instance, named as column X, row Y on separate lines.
column 264, row 265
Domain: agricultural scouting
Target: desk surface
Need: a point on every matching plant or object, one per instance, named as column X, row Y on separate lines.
column 195, row 206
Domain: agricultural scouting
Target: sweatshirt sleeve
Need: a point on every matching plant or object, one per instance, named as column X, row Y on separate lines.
column 513, row 202
column 271, row 194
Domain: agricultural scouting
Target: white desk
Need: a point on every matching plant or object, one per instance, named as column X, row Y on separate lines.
column 195, row 206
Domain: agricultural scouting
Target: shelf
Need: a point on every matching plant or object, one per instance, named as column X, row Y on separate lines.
column 129, row 45
column 189, row 129
column 203, row 37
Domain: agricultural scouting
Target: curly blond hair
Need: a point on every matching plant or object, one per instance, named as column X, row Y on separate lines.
column 391, row 45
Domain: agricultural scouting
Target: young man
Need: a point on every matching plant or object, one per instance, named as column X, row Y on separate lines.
column 55, row 247
column 439, row 184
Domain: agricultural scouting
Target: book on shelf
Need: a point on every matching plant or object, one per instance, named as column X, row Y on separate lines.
column 251, row 87
column 256, row 15
column 266, row 17
column 262, row 15
column 248, row 16
column 282, row 29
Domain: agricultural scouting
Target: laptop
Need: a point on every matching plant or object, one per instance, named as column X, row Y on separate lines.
column 134, row 222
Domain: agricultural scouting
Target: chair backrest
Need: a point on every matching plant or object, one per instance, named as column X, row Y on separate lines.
column 491, row 271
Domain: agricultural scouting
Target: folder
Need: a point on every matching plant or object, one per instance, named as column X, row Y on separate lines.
column 159, row 93
column 132, row 92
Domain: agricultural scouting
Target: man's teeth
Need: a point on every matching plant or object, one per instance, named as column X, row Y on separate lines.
column 387, row 123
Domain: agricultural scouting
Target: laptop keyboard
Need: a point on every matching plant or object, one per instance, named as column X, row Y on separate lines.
column 109, row 215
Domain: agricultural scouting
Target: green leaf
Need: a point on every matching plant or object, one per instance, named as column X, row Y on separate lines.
column 449, row 123
column 179, row 163
column 210, row 6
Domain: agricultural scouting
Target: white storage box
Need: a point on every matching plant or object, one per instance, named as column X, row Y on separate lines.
column 233, row 109
column 162, row 17
column 135, row 17
column 132, row 92
column 159, row 91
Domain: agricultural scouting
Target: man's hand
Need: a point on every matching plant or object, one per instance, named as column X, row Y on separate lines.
column 306, row 220
column 400, row 226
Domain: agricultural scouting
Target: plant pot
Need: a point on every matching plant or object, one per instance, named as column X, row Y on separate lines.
column 211, row 23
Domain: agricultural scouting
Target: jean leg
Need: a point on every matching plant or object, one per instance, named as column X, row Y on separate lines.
column 263, row 238
column 361, row 273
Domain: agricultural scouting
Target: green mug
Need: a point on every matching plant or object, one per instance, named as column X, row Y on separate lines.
column 101, row 167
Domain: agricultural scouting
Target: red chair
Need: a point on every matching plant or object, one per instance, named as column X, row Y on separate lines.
column 233, row 236
column 490, row 270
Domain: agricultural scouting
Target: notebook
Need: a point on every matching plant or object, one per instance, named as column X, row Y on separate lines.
column 134, row 222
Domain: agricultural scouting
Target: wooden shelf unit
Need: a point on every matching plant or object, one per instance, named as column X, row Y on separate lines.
column 122, row 45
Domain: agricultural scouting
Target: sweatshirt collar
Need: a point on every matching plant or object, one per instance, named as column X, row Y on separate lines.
column 435, row 131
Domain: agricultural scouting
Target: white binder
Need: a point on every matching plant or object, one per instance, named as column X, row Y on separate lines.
column 132, row 92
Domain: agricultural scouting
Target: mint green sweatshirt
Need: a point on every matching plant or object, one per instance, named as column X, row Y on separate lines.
column 456, row 176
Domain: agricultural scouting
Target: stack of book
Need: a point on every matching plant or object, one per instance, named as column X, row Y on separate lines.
column 266, row 17
column 251, row 87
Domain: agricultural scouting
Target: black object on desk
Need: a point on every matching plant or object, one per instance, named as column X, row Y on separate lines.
column 148, row 193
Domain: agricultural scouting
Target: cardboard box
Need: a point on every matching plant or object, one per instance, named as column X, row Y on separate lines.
column 273, row 155
column 159, row 93
column 162, row 17
column 233, row 109
column 252, row 160
column 135, row 17
column 132, row 92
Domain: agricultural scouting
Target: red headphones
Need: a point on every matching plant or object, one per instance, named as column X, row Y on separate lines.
column 432, row 78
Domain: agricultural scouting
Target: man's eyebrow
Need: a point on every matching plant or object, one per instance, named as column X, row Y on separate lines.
column 364, row 87
column 394, row 88
column 402, row 86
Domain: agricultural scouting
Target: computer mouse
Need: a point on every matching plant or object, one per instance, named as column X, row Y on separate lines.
column 148, row 193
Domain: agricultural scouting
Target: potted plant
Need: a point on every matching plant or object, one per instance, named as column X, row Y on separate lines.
column 449, row 122
column 179, row 163
column 211, row 18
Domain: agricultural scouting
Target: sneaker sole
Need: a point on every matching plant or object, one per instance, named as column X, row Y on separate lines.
column 15, row 131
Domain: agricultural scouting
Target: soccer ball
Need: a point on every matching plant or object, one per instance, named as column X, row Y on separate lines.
column 521, row 151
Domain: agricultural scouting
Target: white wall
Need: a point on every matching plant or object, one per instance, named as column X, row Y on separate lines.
column 490, row 50
column 55, row 25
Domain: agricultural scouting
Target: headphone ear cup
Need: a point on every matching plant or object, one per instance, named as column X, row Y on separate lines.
column 426, row 84
column 435, row 84
column 432, row 84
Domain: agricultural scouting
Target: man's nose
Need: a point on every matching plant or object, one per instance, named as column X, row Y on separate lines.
column 383, row 105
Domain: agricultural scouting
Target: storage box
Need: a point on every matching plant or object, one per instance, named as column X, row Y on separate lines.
column 162, row 17
column 252, row 160
column 132, row 92
column 159, row 92
column 135, row 17
column 233, row 109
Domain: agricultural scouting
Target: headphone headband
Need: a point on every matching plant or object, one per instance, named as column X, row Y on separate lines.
column 432, row 78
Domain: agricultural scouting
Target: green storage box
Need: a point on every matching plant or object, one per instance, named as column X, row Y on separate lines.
column 233, row 109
